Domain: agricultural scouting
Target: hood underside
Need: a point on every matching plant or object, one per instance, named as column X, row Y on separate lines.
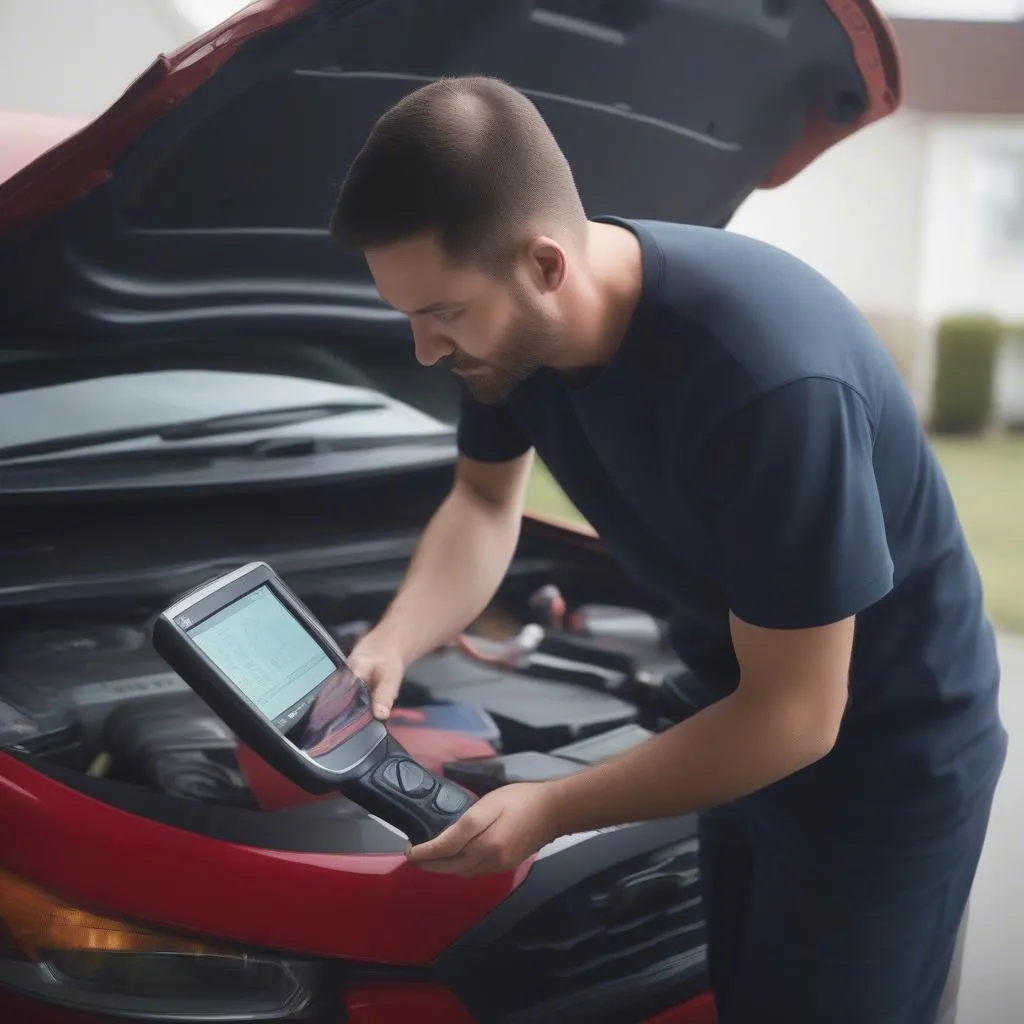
column 199, row 202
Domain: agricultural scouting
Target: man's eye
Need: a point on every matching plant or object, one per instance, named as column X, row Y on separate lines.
column 448, row 316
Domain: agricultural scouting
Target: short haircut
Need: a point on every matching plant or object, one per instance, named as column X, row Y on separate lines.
column 470, row 161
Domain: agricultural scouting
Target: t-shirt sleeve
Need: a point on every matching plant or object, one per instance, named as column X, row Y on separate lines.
column 795, row 507
column 489, row 433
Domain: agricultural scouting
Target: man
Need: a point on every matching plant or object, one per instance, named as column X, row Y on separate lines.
column 739, row 438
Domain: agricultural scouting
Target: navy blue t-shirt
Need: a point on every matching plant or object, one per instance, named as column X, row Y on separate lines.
column 751, row 446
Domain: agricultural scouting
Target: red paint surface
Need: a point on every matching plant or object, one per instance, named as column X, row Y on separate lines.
column 115, row 863
column 427, row 1004
column 697, row 1011
column 404, row 1004
column 365, row 1004
column 17, row 1010
column 877, row 56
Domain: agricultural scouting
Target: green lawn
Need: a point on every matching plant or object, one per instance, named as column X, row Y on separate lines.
column 987, row 478
column 545, row 496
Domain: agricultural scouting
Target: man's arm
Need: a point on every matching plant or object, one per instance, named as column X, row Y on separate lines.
column 462, row 557
column 470, row 541
column 464, row 552
column 783, row 716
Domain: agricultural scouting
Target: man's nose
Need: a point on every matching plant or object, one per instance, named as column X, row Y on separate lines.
column 430, row 346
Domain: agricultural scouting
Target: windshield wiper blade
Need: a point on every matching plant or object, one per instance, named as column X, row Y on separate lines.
column 239, row 423
column 213, row 426
column 208, row 455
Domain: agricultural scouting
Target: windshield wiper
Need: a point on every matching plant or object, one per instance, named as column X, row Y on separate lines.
column 188, row 430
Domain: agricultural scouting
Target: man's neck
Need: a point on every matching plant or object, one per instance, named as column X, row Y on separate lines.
column 605, row 298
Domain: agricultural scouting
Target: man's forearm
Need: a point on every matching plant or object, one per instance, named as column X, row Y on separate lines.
column 733, row 748
column 461, row 560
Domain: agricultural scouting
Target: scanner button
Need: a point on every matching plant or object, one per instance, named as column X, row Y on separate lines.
column 413, row 779
column 450, row 799
column 389, row 775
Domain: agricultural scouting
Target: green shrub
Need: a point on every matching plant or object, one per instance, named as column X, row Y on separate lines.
column 1013, row 334
column 966, row 354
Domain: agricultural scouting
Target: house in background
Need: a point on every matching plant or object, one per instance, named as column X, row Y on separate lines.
column 917, row 217
column 921, row 216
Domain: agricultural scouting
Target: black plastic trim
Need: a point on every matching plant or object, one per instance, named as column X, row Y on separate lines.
column 630, row 999
column 325, row 1006
column 558, row 871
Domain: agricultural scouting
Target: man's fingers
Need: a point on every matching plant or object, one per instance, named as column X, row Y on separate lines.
column 482, row 855
column 384, row 693
column 449, row 843
column 464, row 855
column 455, row 839
column 382, row 705
column 465, row 865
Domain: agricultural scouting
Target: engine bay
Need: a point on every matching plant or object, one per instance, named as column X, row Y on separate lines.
column 533, row 690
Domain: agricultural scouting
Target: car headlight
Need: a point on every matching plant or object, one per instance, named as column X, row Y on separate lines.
column 65, row 955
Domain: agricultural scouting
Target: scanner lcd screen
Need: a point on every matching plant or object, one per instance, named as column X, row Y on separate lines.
column 267, row 653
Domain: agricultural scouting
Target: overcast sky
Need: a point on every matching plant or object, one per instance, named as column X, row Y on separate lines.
column 980, row 9
column 206, row 13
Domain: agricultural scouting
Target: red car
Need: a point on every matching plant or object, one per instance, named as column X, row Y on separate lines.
column 194, row 376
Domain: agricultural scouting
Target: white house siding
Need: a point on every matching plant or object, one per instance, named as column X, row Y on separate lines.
column 856, row 216
column 965, row 270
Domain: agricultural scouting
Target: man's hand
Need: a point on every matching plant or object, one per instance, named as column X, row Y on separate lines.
column 496, row 834
column 380, row 665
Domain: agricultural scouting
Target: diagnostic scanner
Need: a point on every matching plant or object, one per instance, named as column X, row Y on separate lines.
column 263, row 662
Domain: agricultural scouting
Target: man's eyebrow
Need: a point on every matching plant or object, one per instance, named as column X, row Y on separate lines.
column 434, row 307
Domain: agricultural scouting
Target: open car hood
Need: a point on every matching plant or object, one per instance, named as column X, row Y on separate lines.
column 199, row 201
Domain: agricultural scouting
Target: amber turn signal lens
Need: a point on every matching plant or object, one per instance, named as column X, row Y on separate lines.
column 36, row 921
column 58, row 953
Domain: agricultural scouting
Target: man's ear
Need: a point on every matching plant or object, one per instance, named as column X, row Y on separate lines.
column 547, row 264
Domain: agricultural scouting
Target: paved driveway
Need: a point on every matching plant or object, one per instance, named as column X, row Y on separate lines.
column 992, row 991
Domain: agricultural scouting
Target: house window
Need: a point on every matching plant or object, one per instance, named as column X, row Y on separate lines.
column 1000, row 180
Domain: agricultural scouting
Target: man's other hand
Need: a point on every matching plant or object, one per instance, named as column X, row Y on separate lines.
column 496, row 834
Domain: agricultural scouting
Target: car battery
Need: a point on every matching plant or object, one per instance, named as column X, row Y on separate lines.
column 532, row 714
column 487, row 774
column 606, row 746
column 448, row 717
column 562, row 660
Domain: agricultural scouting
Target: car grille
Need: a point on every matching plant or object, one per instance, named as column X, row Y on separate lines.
column 610, row 943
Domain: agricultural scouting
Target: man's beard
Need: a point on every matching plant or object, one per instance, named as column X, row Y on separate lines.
column 527, row 348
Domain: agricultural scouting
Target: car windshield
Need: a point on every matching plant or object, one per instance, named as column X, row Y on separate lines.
column 89, row 406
